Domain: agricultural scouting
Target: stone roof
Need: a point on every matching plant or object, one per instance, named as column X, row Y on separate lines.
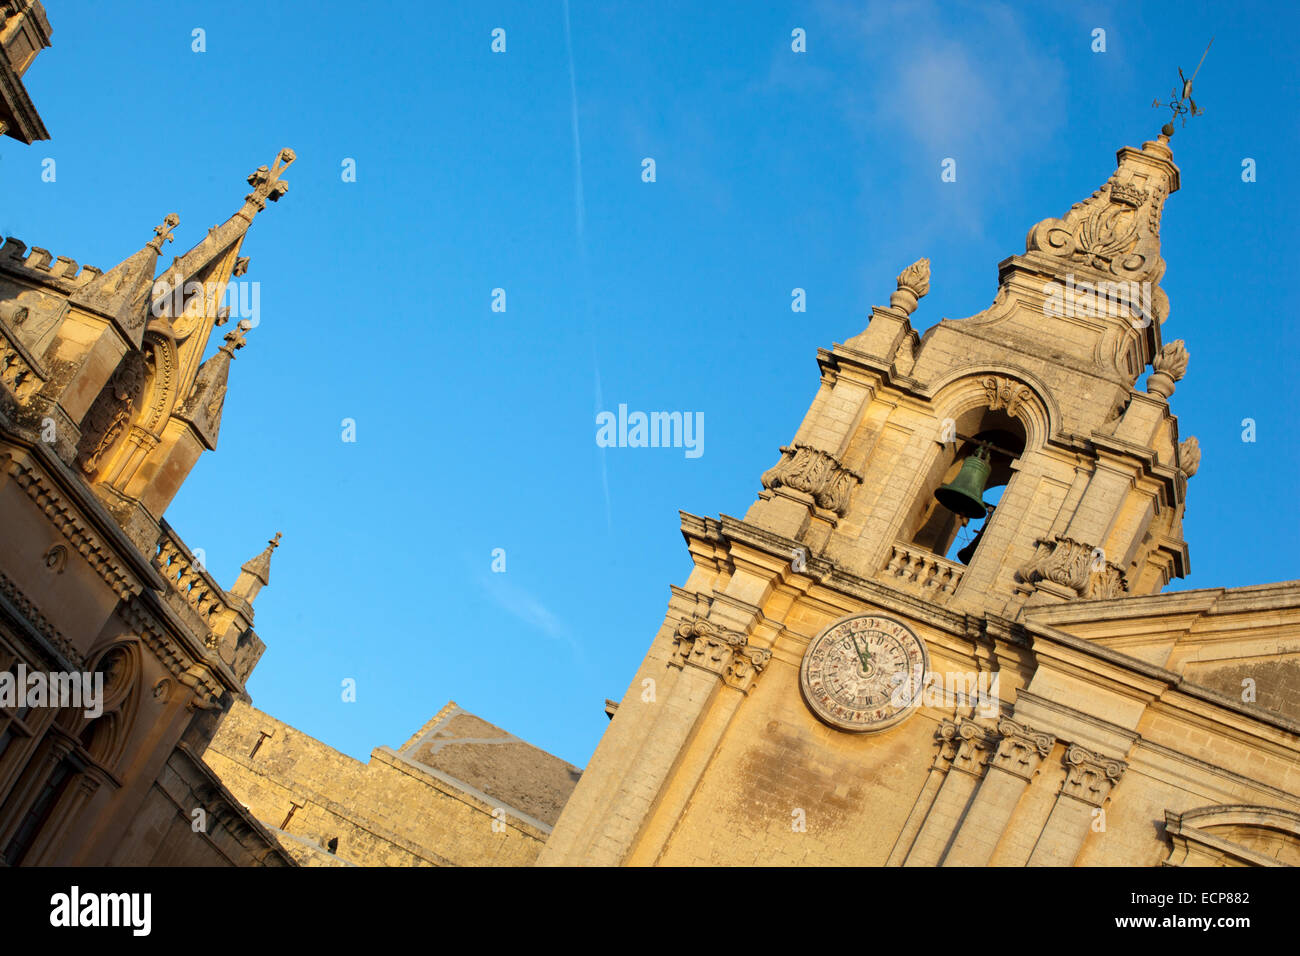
column 475, row 755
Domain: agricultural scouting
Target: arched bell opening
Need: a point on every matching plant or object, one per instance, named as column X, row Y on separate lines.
column 974, row 467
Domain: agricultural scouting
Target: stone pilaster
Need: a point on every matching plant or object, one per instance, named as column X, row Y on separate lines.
column 968, row 747
column 1089, row 779
column 1019, row 753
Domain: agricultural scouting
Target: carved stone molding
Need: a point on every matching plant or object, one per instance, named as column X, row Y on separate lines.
column 817, row 473
column 1090, row 776
column 719, row 651
column 1021, row 748
column 1077, row 566
column 38, row 621
column 1005, row 393
column 967, row 746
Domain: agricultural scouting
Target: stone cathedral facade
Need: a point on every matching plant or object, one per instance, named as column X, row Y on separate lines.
column 831, row 687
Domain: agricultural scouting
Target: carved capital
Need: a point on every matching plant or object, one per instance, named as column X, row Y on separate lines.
column 966, row 745
column 817, row 473
column 1090, row 776
column 1021, row 748
column 720, row 651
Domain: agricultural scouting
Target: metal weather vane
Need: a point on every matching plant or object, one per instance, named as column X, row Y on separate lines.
column 1180, row 102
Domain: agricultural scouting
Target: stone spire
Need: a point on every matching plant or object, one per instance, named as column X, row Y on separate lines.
column 124, row 293
column 255, row 574
column 192, row 288
column 206, row 400
column 222, row 242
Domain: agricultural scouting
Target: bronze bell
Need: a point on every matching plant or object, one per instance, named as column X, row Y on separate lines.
column 968, row 552
column 964, row 494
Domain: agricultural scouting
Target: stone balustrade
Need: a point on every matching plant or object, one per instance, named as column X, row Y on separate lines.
column 922, row 571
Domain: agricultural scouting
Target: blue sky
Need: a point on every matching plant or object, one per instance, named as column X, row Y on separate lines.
column 775, row 170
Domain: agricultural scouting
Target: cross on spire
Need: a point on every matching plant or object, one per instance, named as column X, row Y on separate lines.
column 266, row 182
column 235, row 338
column 163, row 233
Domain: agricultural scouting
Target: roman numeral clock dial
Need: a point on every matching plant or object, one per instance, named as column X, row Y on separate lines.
column 864, row 673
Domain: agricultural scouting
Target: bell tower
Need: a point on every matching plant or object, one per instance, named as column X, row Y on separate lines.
column 842, row 665
column 1039, row 390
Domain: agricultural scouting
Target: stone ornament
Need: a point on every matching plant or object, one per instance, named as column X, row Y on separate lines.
column 1005, row 393
column 719, row 651
column 1170, row 366
column 267, row 184
column 1090, row 776
column 1072, row 564
column 1109, row 232
column 913, row 284
column 163, row 233
column 1021, row 749
column 1189, row 456
column 816, row 473
column 966, row 745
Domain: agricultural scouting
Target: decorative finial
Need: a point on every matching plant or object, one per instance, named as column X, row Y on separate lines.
column 267, row 184
column 1180, row 102
column 1170, row 366
column 163, row 233
column 235, row 339
column 913, row 284
column 275, row 542
column 1189, row 456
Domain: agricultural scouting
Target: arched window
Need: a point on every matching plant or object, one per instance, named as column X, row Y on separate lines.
column 934, row 527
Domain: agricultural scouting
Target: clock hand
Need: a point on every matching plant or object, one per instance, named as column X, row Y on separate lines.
column 863, row 660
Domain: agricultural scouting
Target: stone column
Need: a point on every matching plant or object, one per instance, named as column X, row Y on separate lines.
column 1089, row 780
column 1010, row 772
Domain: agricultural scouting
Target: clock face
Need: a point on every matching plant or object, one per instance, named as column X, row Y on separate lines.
column 864, row 673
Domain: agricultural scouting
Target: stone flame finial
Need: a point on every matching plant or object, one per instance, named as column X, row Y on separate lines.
column 1189, row 456
column 913, row 284
column 1170, row 366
